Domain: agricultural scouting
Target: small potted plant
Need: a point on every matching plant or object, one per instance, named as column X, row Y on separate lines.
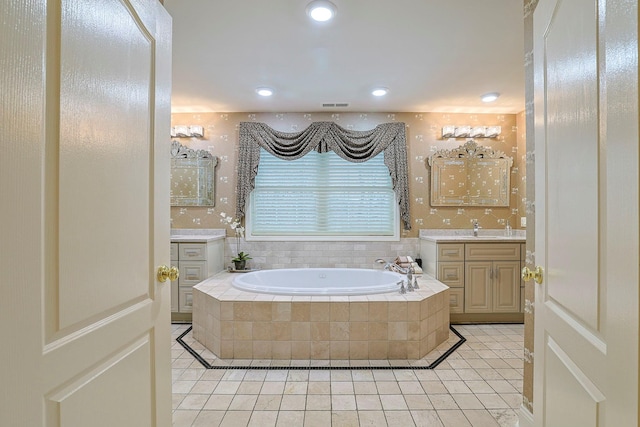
column 240, row 260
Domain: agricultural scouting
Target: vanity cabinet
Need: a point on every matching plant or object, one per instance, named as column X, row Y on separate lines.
column 196, row 261
column 492, row 278
column 484, row 278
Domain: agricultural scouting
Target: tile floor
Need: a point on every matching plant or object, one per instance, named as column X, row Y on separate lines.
column 479, row 385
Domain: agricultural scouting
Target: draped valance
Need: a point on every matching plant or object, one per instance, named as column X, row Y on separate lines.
column 354, row 146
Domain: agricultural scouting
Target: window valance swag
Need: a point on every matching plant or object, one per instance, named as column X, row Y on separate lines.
column 354, row 146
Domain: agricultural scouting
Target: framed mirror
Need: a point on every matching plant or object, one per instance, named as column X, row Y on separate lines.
column 470, row 175
column 192, row 176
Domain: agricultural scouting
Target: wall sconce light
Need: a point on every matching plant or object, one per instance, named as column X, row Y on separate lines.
column 492, row 131
column 462, row 132
column 182, row 131
column 450, row 131
column 478, row 132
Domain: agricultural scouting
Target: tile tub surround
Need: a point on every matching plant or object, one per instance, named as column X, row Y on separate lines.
column 234, row 324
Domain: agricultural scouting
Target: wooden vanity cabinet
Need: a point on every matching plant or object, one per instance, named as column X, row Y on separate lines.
column 492, row 278
column 484, row 278
column 196, row 261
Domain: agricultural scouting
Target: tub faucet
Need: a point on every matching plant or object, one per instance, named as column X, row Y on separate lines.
column 392, row 266
column 409, row 271
column 476, row 227
column 403, row 290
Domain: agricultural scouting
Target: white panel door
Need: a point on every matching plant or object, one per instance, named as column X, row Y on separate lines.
column 84, row 179
column 586, row 201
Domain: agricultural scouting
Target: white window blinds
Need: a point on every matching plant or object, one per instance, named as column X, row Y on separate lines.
column 322, row 195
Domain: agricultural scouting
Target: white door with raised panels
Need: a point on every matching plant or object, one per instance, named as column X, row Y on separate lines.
column 586, row 203
column 84, row 215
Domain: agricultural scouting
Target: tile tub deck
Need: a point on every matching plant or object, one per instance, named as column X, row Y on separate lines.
column 234, row 324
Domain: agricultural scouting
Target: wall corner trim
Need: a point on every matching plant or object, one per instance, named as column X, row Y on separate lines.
column 525, row 418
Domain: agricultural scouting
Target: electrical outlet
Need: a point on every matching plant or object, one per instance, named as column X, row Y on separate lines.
column 523, row 221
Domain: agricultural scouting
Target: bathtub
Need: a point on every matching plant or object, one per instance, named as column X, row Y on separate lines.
column 319, row 281
column 246, row 324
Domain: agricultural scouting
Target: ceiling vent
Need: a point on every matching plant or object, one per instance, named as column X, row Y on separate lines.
column 337, row 104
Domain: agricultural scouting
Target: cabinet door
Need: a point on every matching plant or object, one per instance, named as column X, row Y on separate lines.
column 193, row 252
column 456, row 300
column 477, row 287
column 451, row 274
column 506, row 286
column 192, row 272
column 492, row 252
column 186, row 299
column 450, row 252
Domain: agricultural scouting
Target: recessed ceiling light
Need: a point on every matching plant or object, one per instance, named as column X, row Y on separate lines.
column 490, row 97
column 321, row 10
column 264, row 91
column 380, row 91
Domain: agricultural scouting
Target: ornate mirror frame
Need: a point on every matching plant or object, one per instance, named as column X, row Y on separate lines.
column 470, row 175
column 192, row 176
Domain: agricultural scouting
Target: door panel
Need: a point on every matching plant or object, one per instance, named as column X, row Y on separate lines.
column 586, row 198
column 101, row 229
column 572, row 134
column 477, row 289
column 506, row 286
column 118, row 377
column 568, row 387
column 89, row 223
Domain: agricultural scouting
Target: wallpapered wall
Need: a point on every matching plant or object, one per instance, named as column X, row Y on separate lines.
column 424, row 132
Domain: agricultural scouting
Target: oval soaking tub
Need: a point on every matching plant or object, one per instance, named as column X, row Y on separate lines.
column 319, row 281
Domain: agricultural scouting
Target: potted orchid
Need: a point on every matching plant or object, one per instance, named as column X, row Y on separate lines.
column 240, row 260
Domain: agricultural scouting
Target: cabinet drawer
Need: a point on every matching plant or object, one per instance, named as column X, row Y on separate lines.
column 193, row 251
column 174, row 252
column 456, row 300
column 192, row 272
column 492, row 252
column 451, row 274
column 186, row 300
column 450, row 252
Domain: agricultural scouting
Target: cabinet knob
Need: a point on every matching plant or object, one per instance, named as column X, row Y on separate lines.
column 165, row 273
column 528, row 274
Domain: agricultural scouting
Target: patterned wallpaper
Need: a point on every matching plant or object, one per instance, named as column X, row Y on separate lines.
column 424, row 132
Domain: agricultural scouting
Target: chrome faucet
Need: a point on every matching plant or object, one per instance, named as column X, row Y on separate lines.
column 409, row 271
column 476, row 227
column 392, row 266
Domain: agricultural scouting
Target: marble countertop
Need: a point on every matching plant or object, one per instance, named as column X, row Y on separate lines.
column 466, row 235
column 197, row 235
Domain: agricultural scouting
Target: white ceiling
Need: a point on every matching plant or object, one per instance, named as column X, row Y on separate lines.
column 433, row 55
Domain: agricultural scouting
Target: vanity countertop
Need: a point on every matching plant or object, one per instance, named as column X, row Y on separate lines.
column 197, row 235
column 466, row 236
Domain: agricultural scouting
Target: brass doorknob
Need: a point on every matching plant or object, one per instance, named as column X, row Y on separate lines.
column 165, row 273
column 528, row 274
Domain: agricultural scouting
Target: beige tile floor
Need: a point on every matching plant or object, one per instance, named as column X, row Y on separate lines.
column 479, row 385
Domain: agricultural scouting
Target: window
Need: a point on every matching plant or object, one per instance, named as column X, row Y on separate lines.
column 322, row 197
